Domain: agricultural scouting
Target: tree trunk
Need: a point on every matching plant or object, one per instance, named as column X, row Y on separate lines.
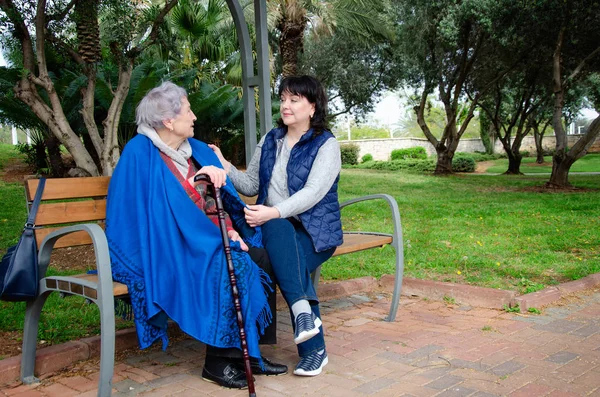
column 40, row 156
column 444, row 162
column 563, row 160
column 87, row 113
column 291, row 39
column 537, row 137
column 89, row 146
column 57, row 123
column 111, row 151
column 514, row 163
column 485, row 132
column 57, row 166
column 561, row 165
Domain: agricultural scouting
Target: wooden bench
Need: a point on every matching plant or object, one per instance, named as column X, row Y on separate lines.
column 72, row 213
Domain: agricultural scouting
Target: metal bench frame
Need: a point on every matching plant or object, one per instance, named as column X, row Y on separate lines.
column 101, row 292
column 397, row 243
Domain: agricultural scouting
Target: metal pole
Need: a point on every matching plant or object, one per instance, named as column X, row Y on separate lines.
column 15, row 138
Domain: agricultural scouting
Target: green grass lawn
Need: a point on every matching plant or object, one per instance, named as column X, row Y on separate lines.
column 588, row 163
column 13, row 212
column 491, row 231
column 7, row 152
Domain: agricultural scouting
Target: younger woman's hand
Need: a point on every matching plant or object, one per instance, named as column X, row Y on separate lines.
column 235, row 236
column 226, row 164
column 217, row 175
column 256, row 215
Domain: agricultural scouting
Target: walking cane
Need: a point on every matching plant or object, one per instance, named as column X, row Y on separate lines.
column 233, row 282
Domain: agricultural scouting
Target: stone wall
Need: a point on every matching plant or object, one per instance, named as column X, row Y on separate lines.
column 381, row 149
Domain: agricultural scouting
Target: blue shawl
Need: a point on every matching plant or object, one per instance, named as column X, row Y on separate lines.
column 171, row 256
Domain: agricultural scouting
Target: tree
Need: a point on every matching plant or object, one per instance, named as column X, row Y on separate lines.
column 509, row 107
column 201, row 35
column 51, row 25
column 354, row 73
column 539, row 120
column 361, row 20
column 487, row 133
column 439, row 45
column 575, row 25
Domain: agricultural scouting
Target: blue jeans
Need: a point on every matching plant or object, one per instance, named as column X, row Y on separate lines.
column 293, row 258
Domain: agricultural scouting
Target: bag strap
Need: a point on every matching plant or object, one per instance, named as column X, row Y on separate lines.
column 36, row 203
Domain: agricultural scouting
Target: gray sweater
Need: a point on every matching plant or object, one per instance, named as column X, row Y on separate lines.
column 180, row 156
column 325, row 169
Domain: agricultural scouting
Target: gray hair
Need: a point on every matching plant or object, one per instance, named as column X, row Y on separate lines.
column 160, row 103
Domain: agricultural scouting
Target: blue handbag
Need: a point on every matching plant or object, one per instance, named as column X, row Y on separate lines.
column 19, row 267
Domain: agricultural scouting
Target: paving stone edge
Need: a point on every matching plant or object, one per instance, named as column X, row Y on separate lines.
column 55, row 358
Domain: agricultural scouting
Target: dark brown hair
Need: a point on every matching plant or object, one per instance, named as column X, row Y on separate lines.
column 312, row 90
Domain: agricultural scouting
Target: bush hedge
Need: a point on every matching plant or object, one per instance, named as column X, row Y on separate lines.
column 395, row 165
column 479, row 156
column 366, row 157
column 463, row 164
column 417, row 152
column 349, row 153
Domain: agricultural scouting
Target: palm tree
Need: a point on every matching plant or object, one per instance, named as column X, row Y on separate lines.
column 201, row 35
column 359, row 19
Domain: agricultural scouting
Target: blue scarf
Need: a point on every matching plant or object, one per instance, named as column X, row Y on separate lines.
column 171, row 256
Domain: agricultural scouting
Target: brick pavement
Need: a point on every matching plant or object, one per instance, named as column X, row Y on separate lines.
column 432, row 349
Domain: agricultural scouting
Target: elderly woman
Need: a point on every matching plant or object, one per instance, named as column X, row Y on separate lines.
column 165, row 243
column 295, row 171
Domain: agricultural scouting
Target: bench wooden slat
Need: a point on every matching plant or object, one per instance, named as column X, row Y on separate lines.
column 359, row 242
column 70, row 240
column 118, row 288
column 69, row 212
column 69, row 188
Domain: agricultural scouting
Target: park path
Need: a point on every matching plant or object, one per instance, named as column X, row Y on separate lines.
column 432, row 349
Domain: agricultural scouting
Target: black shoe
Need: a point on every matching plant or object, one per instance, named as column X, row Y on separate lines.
column 270, row 367
column 231, row 376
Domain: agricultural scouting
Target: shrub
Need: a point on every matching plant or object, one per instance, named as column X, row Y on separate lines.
column 349, row 153
column 463, row 164
column 417, row 152
column 478, row 156
column 35, row 155
column 366, row 157
column 368, row 132
column 395, row 165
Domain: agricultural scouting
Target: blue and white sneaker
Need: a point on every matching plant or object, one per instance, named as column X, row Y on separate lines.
column 307, row 326
column 312, row 365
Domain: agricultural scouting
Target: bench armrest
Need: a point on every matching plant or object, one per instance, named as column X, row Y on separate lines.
column 397, row 243
column 397, row 235
column 103, row 298
column 100, row 245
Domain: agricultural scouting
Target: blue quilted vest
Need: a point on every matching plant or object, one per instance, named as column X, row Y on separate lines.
column 322, row 221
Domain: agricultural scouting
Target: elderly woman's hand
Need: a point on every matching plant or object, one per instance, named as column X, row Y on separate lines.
column 256, row 215
column 235, row 236
column 226, row 164
column 217, row 175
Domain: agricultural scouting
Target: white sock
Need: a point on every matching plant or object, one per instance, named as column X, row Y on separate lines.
column 302, row 306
